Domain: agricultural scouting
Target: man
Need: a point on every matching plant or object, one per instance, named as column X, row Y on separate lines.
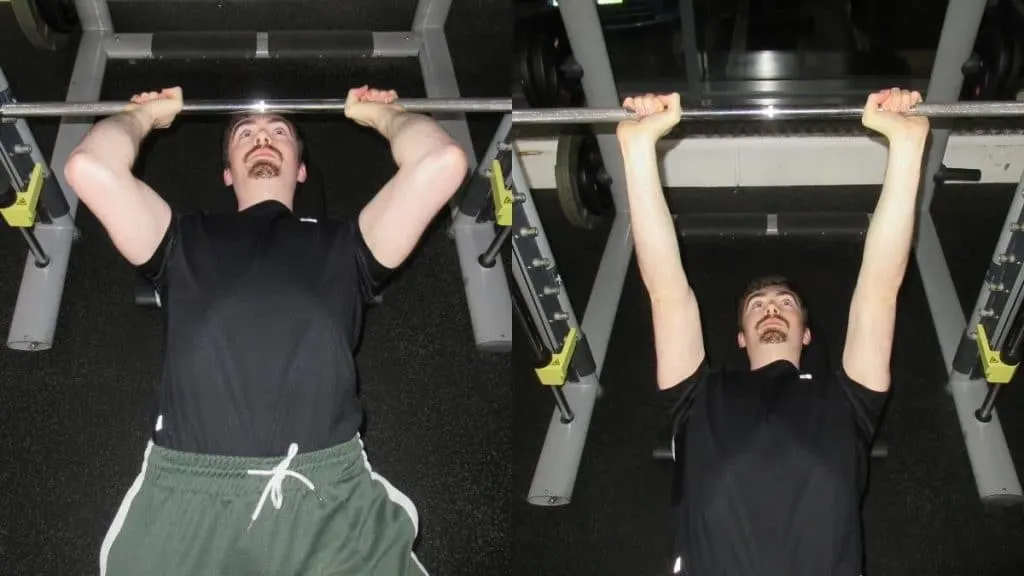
column 256, row 465
column 773, row 463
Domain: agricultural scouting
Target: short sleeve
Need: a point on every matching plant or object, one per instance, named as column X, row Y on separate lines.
column 867, row 405
column 373, row 276
column 678, row 400
column 154, row 270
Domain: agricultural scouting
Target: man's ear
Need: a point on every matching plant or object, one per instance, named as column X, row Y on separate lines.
column 741, row 339
column 228, row 180
column 302, row 173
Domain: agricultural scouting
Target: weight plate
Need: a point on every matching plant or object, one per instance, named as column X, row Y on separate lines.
column 35, row 27
column 60, row 15
column 545, row 63
column 1015, row 75
column 578, row 181
column 593, row 180
column 545, row 82
column 524, row 42
column 991, row 50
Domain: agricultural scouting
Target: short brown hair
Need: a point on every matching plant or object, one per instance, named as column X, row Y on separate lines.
column 237, row 119
column 762, row 282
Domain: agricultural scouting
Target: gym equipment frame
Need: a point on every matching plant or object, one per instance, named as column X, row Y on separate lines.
column 35, row 315
column 838, row 161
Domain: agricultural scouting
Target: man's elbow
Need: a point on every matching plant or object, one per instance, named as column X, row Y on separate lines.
column 80, row 168
column 88, row 176
column 450, row 160
column 445, row 168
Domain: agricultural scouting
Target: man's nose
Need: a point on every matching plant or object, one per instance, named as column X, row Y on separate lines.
column 262, row 138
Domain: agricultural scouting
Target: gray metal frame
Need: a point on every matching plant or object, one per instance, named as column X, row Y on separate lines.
column 995, row 475
column 35, row 315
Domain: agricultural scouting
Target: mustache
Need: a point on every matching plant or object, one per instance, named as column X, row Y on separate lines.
column 767, row 319
column 261, row 149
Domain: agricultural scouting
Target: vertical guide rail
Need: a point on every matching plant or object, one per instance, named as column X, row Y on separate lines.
column 558, row 465
column 487, row 290
column 994, row 473
column 536, row 277
column 42, row 288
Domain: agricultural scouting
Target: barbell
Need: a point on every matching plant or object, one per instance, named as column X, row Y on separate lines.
column 425, row 105
column 613, row 115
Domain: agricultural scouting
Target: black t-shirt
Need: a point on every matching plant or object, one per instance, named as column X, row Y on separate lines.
column 773, row 467
column 264, row 311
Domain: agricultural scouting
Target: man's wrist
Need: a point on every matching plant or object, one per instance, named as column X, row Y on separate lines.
column 138, row 122
column 390, row 121
column 637, row 145
column 908, row 142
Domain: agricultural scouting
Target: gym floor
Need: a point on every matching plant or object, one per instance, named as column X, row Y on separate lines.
column 74, row 420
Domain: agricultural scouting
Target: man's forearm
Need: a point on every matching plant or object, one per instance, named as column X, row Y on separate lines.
column 114, row 142
column 890, row 235
column 654, row 231
column 412, row 136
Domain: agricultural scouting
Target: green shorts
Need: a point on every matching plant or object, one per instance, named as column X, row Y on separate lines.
column 316, row 514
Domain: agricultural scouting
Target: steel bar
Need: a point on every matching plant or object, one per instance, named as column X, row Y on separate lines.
column 72, row 109
column 612, row 115
column 35, row 249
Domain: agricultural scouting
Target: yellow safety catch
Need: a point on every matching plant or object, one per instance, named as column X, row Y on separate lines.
column 996, row 371
column 22, row 214
column 502, row 195
column 555, row 373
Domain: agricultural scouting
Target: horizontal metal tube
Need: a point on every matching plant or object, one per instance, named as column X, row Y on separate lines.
column 612, row 115
column 69, row 109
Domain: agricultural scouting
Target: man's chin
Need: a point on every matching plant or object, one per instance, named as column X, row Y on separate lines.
column 264, row 170
column 773, row 336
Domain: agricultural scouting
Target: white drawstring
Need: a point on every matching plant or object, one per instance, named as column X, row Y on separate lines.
column 277, row 475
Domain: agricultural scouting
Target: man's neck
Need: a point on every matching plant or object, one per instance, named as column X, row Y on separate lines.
column 254, row 194
column 758, row 361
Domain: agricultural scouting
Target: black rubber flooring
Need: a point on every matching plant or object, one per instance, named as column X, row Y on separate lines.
column 922, row 513
column 74, row 420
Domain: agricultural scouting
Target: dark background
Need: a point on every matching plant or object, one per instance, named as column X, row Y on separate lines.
column 74, row 420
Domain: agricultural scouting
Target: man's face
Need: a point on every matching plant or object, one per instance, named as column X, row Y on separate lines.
column 263, row 147
column 773, row 315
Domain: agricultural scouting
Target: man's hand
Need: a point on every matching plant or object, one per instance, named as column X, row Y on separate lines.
column 160, row 108
column 885, row 113
column 657, row 115
column 371, row 108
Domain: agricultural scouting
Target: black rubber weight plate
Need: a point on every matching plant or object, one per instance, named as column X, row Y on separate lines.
column 47, row 24
column 567, row 166
column 524, row 40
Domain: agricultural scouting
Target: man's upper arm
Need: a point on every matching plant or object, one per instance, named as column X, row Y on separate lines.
column 135, row 217
column 395, row 220
column 678, row 337
column 869, row 337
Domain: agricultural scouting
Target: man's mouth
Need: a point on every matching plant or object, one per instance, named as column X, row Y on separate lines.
column 264, row 153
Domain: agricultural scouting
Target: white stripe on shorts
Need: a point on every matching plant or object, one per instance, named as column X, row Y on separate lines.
column 122, row 512
column 397, row 497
